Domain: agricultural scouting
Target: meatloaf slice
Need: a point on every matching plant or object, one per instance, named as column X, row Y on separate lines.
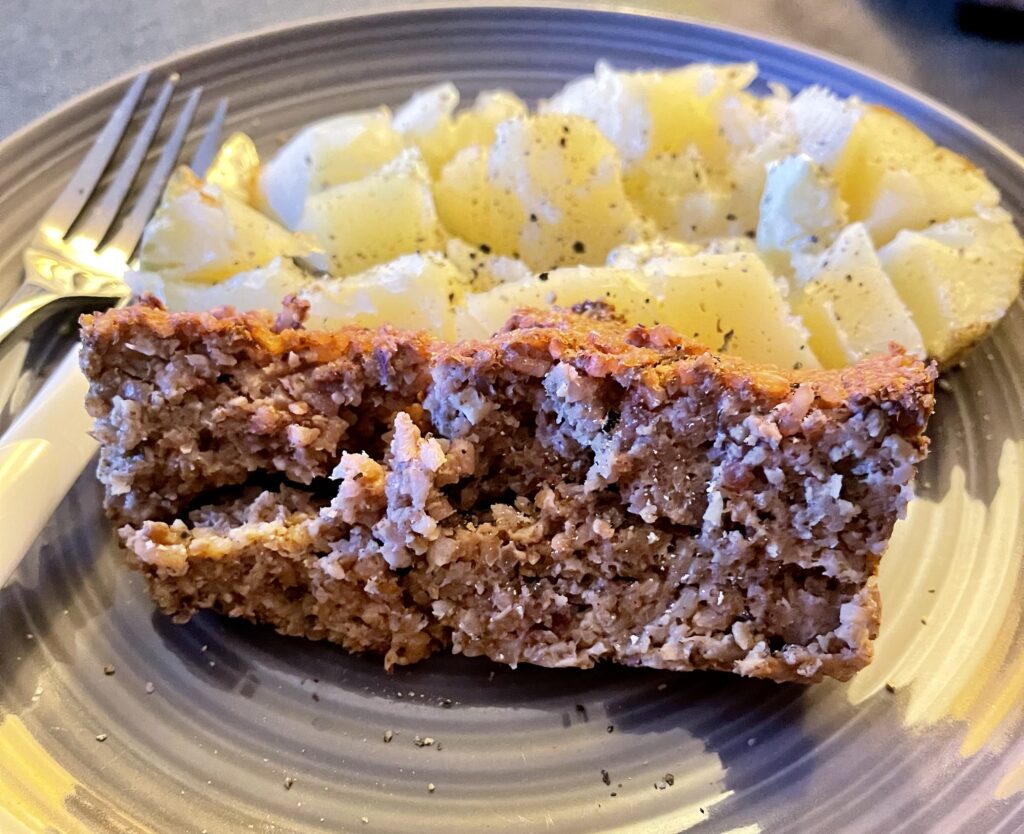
column 570, row 491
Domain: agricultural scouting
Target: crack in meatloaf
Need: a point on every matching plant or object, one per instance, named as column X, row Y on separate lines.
column 569, row 491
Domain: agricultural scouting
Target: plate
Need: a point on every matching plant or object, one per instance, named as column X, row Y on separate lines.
column 113, row 719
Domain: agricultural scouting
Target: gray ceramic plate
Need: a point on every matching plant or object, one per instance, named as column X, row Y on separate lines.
column 929, row 738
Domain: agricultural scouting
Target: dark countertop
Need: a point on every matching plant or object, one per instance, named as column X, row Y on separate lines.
column 50, row 51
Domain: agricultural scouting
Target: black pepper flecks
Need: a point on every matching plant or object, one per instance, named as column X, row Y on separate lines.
column 578, row 247
column 605, row 777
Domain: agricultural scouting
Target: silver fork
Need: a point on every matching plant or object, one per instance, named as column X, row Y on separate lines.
column 76, row 257
column 79, row 259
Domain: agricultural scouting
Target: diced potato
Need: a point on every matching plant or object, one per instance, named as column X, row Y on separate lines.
column 823, row 123
column 893, row 177
column 235, row 169
column 256, row 289
column 684, row 197
column 637, row 255
column 850, row 305
column 731, row 303
column 548, row 191
column 801, row 210
column 485, row 313
column 747, row 121
column 879, row 136
column 958, row 277
column 415, row 292
column 426, row 112
column 473, row 208
column 656, row 111
column 201, row 234
column 429, row 120
column 331, row 152
column 483, row 270
column 373, row 220
column 730, row 246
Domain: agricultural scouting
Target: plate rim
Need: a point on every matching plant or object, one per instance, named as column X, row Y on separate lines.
column 251, row 38
column 409, row 8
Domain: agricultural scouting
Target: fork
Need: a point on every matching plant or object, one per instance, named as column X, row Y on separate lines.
column 78, row 257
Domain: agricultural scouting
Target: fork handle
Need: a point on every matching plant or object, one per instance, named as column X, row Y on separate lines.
column 21, row 311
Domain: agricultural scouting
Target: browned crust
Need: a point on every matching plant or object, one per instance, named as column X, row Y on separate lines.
column 604, row 347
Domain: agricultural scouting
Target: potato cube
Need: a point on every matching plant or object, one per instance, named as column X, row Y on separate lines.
column 850, row 306
column 331, row 152
column 429, row 120
column 414, row 292
column 255, row 289
column 652, row 112
column 548, row 191
column 485, row 313
column 893, row 177
column 235, row 169
column 373, row 220
column 730, row 303
column 958, row 277
column 202, row 234
column 801, row 210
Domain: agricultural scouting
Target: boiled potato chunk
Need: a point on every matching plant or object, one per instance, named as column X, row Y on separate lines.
column 235, row 169
column 730, row 246
column 850, row 305
column 471, row 207
column 373, row 220
column 256, row 289
column 485, row 313
column 414, row 292
column 202, row 234
column 730, row 303
column 879, row 137
column 638, row 255
column 426, row 111
column 684, row 197
column 893, row 177
column 801, row 210
column 331, row 152
column 651, row 112
column 482, row 270
column 429, row 120
column 823, row 123
column 958, row 277
column 548, row 191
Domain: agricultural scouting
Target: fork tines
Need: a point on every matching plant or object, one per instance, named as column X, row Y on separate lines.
column 91, row 210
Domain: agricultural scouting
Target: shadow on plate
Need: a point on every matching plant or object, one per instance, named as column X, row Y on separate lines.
column 729, row 715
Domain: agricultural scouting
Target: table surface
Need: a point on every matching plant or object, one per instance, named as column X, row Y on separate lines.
column 51, row 51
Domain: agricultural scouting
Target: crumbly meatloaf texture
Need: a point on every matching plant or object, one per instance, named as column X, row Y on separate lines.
column 569, row 491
